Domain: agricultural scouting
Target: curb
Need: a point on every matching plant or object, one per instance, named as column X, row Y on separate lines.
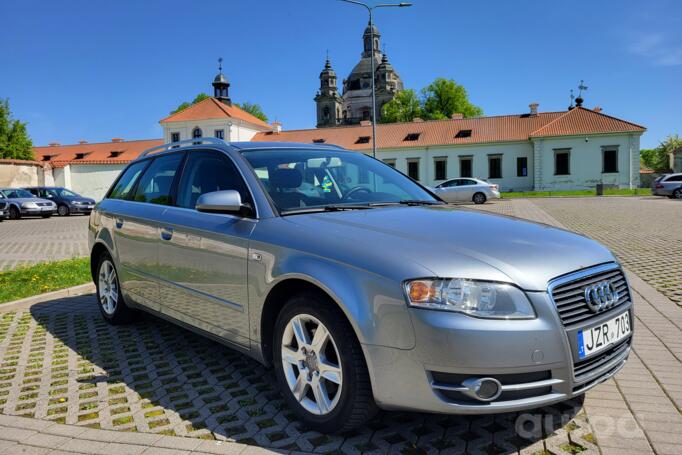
column 81, row 289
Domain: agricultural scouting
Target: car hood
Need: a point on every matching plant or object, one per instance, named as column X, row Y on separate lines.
column 453, row 242
column 80, row 199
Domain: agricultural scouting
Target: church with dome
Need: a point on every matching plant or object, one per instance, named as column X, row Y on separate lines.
column 354, row 104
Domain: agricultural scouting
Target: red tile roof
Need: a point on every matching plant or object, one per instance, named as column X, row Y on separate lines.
column 504, row 128
column 95, row 153
column 211, row 108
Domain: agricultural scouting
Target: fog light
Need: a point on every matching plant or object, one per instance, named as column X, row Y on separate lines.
column 484, row 389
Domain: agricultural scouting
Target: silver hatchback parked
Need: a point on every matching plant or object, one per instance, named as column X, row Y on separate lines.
column 359, row 286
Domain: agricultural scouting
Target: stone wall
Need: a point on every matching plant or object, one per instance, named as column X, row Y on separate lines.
column 19, row 173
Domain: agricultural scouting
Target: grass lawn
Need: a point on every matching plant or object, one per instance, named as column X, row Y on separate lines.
column 579, row 193
column 40, row 278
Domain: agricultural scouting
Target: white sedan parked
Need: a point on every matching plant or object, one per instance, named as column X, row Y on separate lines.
column 467, row 190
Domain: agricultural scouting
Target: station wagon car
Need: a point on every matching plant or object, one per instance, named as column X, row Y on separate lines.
column 360, row 287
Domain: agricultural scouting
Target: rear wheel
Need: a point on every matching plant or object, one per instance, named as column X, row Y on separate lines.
column 320, row 366
column 677, row 194
column 479, row 198
column 111, row 303
column 63, row 210
column 14, row 213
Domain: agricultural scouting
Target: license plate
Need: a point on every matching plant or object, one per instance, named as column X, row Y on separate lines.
column 602, row 336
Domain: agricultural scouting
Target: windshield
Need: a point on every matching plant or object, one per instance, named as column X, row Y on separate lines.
column 62, row 192
column 17, row 193
column 298, row 179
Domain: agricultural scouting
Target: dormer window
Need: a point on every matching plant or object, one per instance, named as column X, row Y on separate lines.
column 319, row 141
column 47, row 157
column 412, row 137
column 363, row 140
column 463, row 133
column 115, row 153
column 80, row 156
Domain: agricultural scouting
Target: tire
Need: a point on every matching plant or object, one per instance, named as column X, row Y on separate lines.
column 109, row 297
column 14, row 213
column 350, row 402
column 677, row 194
column 63, row 210
column 479, row 198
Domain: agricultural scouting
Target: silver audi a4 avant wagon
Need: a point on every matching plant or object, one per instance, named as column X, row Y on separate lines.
column 360, row 287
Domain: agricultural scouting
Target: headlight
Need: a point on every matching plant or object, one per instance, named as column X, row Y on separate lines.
column 29, row 205
column 481, row 299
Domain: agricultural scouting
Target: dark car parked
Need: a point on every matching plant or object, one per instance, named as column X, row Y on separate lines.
column 67, row 201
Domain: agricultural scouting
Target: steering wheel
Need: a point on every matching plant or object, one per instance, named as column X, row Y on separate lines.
column 357, row 189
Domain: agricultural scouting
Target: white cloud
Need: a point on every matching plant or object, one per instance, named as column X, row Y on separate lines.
column 656, row 48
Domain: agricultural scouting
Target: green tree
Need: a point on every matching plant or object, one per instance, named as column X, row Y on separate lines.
column 404, row 107
column 184, row 105
column 658, row 159
column 15, row 142
column 444, row 97
column 253, row 109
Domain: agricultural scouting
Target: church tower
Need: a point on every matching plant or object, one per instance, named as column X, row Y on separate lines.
column 221, row 86
column 328, row 99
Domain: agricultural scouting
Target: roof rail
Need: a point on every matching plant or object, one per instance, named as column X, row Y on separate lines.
column 172, row 145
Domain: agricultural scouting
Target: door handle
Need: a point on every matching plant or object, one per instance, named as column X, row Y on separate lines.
column 166, row 233
column 119, row 223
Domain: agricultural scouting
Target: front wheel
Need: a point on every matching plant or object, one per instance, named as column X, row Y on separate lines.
column 14, row 213
column 63, row 210
column 111, row 303
column 677, row 194
column 320, row 366
column 479, row 198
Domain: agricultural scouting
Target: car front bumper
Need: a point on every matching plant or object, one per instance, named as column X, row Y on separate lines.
column 532, row 359
column 77, row 208
column 38, row 211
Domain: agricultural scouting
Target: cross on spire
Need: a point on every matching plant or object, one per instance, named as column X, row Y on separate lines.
column 220, row 65
column 581, row 87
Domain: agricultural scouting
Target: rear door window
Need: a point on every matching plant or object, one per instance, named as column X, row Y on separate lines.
column 157, row 181
column 126, row 182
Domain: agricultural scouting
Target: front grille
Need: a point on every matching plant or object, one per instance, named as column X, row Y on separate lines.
column 569, row 297
column 583, row 369
column 43, row 204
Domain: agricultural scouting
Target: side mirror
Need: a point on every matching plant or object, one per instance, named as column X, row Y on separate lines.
column 228, row 201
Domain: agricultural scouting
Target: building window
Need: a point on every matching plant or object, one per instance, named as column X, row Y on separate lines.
column 465, row 166
column 175, row 137
column 562, row 160
column 220, row 134
column 319, row 141
column 609, row 160
column 413, row 169
column 495, row 166
column 463, row 133
column 412, row 137
column 440, row 167
column 390, row 163
column 522, row 166
column 196, row 133
column 362, row 140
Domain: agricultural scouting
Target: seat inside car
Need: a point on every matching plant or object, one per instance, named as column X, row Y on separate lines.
column 282, row 182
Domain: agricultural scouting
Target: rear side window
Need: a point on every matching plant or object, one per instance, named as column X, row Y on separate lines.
column 157, row 181
column 206, row 172
column 674, row 178
column 127, row 181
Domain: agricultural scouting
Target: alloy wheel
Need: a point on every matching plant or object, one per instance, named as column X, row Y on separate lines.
column 108, row 287
column 14, row 213
column 677, row 194
column 311, row 364
column 63, row 210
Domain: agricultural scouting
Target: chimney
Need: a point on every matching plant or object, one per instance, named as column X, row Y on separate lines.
column 54, row 144
column 533, row 109
column 365, row 122
column 82, row 141
column 417, row 120
column 597, row 109
column 276, row 127
column 457, row 116
column 117, row 139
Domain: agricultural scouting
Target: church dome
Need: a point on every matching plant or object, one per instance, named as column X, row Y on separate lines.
column 220, row 78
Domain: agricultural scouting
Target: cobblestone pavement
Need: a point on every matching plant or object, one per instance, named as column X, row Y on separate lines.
column 61, row 362
column 31, row 240
column 644, row 232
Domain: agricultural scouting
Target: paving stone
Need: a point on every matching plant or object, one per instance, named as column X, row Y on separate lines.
column 27, row 450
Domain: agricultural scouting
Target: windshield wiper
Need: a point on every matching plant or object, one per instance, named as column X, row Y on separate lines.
column 326, row 208
column 410, row 202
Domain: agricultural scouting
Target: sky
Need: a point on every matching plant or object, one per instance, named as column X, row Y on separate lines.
column 95, row 69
